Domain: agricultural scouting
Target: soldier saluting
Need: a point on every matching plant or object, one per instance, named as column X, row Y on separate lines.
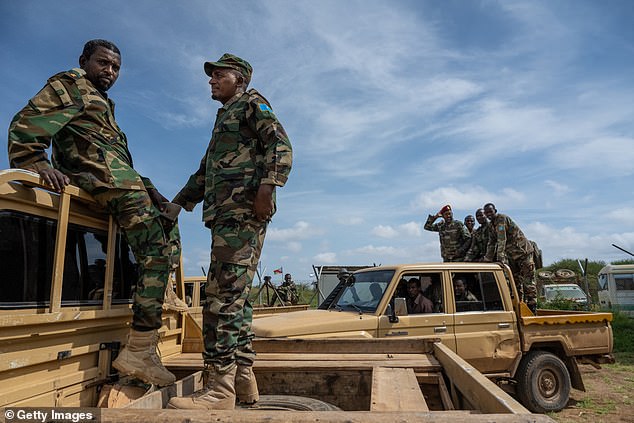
column 454, row 236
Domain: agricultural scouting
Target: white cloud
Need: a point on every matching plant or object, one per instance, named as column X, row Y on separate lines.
column 349, row 220
column 326, row 258
column 301, row 230
column 558, row 188
column 384, row 231
column 410, row 229
column 465, row 198
column 379, row 251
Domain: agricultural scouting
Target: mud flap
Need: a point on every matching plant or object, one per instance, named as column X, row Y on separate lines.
column 575, row 375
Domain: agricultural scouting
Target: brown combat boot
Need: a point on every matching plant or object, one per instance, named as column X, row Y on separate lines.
column 139, row 359
column 172, row 302
column 218, row 394
column 246, row 385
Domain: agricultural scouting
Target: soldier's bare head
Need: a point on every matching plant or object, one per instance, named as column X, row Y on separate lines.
column 489, row 210
column 101, row 60
column 480, row 216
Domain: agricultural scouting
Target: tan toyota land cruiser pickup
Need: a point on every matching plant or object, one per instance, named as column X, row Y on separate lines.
column 534, row 356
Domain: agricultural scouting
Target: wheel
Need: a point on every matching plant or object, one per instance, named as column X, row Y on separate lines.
column 543, row 382
column 291, row 403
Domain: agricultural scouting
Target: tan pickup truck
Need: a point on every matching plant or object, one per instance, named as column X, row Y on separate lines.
column 534, row 356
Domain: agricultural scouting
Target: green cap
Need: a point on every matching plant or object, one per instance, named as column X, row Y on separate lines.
column 231, row 62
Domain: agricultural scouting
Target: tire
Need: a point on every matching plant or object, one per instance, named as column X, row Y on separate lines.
column 543, row 382
column 291, row 403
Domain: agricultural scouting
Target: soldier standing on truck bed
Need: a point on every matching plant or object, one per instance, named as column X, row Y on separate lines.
column 507, row 244
column 479, row 239
column 74, row 114
column 454, row 236
column 248, row 156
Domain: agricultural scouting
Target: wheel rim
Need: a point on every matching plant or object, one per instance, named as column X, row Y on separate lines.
column 548, row 384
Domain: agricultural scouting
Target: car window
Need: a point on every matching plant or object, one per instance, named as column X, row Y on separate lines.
column 476, row 291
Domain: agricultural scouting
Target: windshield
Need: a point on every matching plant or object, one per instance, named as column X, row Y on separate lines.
column 568, row 292
column 366, row 292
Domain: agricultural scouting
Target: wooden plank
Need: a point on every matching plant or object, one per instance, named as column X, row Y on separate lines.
column 343, row 346
column 110, row 261
column 396, row 389
column 60, row 252
column 474, row 386
column 159, row 399
column 282, row 416
column 444, row 394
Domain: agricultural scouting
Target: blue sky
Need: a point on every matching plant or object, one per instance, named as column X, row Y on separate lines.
column 394, row 108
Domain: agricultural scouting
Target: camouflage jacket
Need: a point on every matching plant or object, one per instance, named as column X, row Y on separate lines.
column 479, row 241
column 506, row 240
column 454, row 238
column 248, row 147
column 78, row 120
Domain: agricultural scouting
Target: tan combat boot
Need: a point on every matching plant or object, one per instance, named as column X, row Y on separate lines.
column 246, row 385
column 172, row 302
column 139, row 359
column 218, row 394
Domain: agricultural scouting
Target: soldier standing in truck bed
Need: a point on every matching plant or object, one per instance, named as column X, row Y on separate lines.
column 249, row 154
column 74, row 114
column 454, row 236
column 479, row 239
column 507, row 244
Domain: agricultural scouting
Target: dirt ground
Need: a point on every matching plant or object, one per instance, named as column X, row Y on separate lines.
column 609, row 396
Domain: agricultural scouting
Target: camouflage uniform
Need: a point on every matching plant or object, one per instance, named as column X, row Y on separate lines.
column 248, row 147
column 454, row 238
column 507, row 244
column 288, row 292
column 90, row 148
column 479, row 241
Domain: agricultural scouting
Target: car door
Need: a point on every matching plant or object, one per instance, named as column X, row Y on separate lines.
column 485, row 325
column 437, row 324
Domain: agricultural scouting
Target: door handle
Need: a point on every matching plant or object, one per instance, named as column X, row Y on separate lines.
column 504, row 325
column 397, row 333
column 440, row 329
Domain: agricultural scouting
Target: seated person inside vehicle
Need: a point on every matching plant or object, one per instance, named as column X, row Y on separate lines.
column 416, row 301
column 461, row 291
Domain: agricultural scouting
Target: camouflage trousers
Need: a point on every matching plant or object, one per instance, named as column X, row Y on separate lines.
column 523, row 269
column 155, row 243
column 228, row 313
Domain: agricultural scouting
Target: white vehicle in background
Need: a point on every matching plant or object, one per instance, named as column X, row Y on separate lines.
column 616, row 288
column 565, row 291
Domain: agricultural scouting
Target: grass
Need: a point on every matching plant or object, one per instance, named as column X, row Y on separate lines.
column 623, row 330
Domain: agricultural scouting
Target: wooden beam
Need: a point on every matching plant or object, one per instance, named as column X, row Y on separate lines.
column 474, row 386
column 110, row 262
column 60, row 252
column 396, row 389
column 282, row 416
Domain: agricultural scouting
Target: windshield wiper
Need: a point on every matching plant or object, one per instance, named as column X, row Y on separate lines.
column 356, row 307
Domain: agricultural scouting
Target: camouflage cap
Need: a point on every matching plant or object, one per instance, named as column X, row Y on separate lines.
column 230, row 61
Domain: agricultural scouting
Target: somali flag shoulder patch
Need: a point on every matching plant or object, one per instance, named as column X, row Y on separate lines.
column 265, row 108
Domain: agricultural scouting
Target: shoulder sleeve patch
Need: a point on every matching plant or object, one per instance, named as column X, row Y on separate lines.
column 264, row 107
column 61, row 91
column 501, row 228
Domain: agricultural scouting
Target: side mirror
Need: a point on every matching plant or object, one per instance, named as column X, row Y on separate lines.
column 400, row 307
